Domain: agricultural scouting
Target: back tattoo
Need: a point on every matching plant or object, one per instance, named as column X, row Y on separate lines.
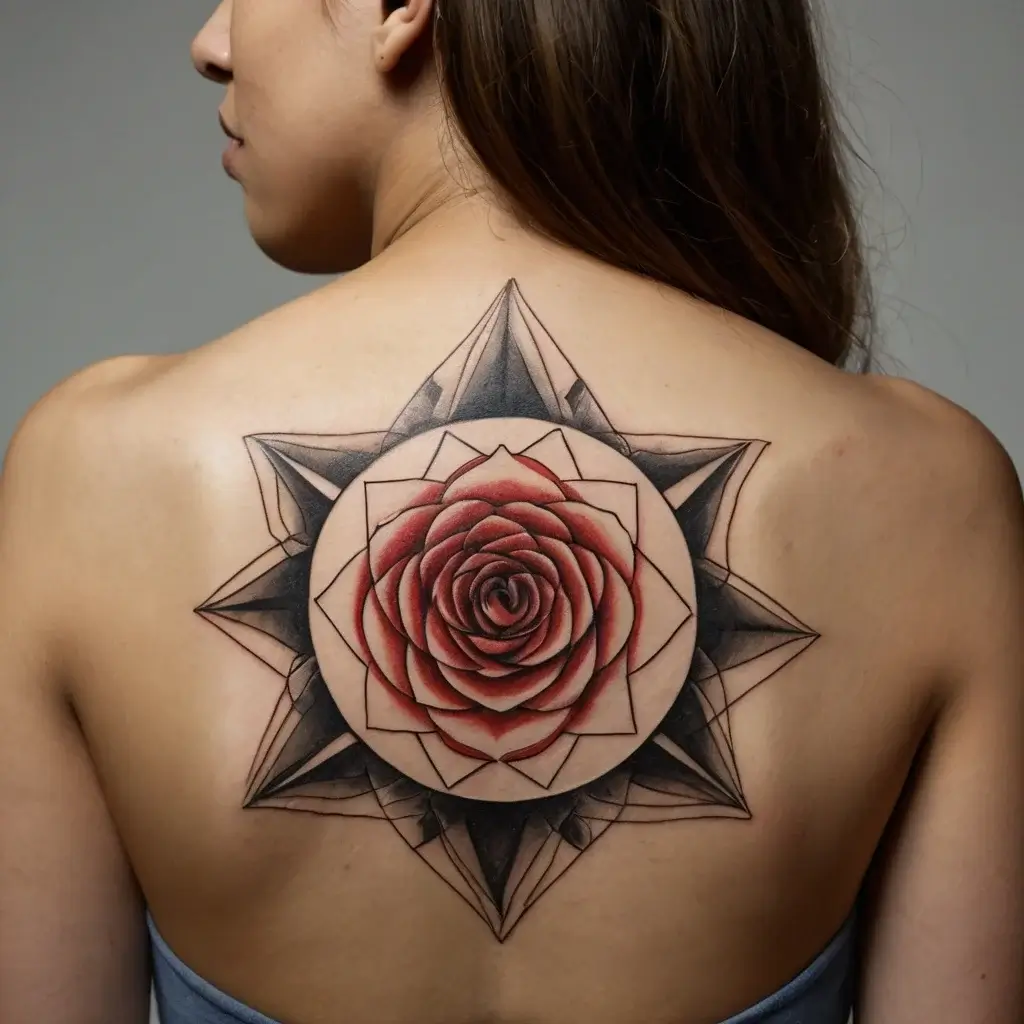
column 504, row 626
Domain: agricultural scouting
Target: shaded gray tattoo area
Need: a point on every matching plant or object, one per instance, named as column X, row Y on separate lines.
column 503, row 625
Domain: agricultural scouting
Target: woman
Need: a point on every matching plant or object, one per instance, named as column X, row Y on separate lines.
column 573, row 640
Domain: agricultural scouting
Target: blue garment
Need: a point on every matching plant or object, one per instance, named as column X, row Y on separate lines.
column 822, row 994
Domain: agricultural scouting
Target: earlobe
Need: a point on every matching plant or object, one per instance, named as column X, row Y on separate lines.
column 399, row 32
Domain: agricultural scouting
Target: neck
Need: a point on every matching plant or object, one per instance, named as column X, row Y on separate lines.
column 427, row 186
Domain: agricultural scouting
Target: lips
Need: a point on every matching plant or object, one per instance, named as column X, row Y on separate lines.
column 226, row 128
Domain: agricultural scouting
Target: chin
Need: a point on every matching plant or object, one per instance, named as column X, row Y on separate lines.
column 312, row 246
column 300, row 260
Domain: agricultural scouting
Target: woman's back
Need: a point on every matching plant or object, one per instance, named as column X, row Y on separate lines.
column 716, row 831
column 499, row 633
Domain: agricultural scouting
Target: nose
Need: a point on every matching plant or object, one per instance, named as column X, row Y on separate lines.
column 211, row 48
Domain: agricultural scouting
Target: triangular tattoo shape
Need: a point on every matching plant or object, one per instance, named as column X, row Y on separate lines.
column 264, row 608
column 509, row 367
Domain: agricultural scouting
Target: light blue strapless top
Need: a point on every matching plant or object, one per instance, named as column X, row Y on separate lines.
column 821, row 994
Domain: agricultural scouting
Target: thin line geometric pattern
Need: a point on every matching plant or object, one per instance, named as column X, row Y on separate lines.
column 501, row 856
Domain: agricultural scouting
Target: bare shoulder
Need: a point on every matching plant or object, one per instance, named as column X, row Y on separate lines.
column 62, row 506
column 114, row 432
column 963, row 522
column 935, row 412
column 945, row 451
column 78, row 471
column 890, row 454
column 894, row 505
column 80, row 427
column 88, row 397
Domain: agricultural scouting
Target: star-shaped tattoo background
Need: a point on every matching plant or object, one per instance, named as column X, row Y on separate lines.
column 503, row 626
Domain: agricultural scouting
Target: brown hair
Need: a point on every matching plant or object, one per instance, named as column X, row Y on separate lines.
column 691, row 141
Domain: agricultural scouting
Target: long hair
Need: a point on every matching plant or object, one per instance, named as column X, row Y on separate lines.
column 694, row 142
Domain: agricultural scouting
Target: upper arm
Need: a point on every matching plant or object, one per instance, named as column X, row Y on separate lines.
column 944, row 938
column 72, row 939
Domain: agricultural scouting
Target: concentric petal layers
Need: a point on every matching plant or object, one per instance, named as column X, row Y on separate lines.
column 509, row 605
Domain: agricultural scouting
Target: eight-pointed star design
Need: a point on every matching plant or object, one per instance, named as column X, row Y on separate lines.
column 500, row 847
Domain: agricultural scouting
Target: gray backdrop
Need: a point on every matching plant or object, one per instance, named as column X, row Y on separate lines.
column 118, row 231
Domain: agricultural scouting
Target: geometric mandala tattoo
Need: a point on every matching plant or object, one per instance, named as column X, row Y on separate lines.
column 503, row 625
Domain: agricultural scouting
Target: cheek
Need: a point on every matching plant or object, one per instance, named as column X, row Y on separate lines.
column 301, row 86
column 307, row 173
column 305, row 105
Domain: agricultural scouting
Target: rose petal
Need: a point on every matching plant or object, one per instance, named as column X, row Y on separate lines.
column 537, row 521
column 391, row 711
column 615, row 617
column 429, row 686
column 485, row 565
column 607, row 707
column 495, row 606
column 400, row 537
column 494, row 647
column 461, row 600
column 459, row 748
column 504, row 478
column 492, row 668
column 514, row 542
column 500, row 736
column 504, row 694
column 573, row 582
column 574, row 679
column 493, row 528
column 559, row 634
column 386, row 589
column 539, row 466
column 412, row 608
column 465, row 467
column 387, row 646
column 499, row 604
column 539, row 564
column 441, row 643
column 442, row 594
column 546, row 592
column 593, row 572
column 457, row 518
column 436, row 557
column 599, row 531
column 535, row 637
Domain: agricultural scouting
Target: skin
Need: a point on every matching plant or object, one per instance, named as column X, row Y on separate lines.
column 892, row 751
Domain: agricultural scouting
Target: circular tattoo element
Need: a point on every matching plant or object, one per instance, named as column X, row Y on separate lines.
column 519, row 601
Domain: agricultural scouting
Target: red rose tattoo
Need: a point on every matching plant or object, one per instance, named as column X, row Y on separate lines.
column 500, row 608
column 503, row 611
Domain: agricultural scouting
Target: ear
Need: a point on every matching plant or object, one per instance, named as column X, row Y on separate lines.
column 400, row 31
